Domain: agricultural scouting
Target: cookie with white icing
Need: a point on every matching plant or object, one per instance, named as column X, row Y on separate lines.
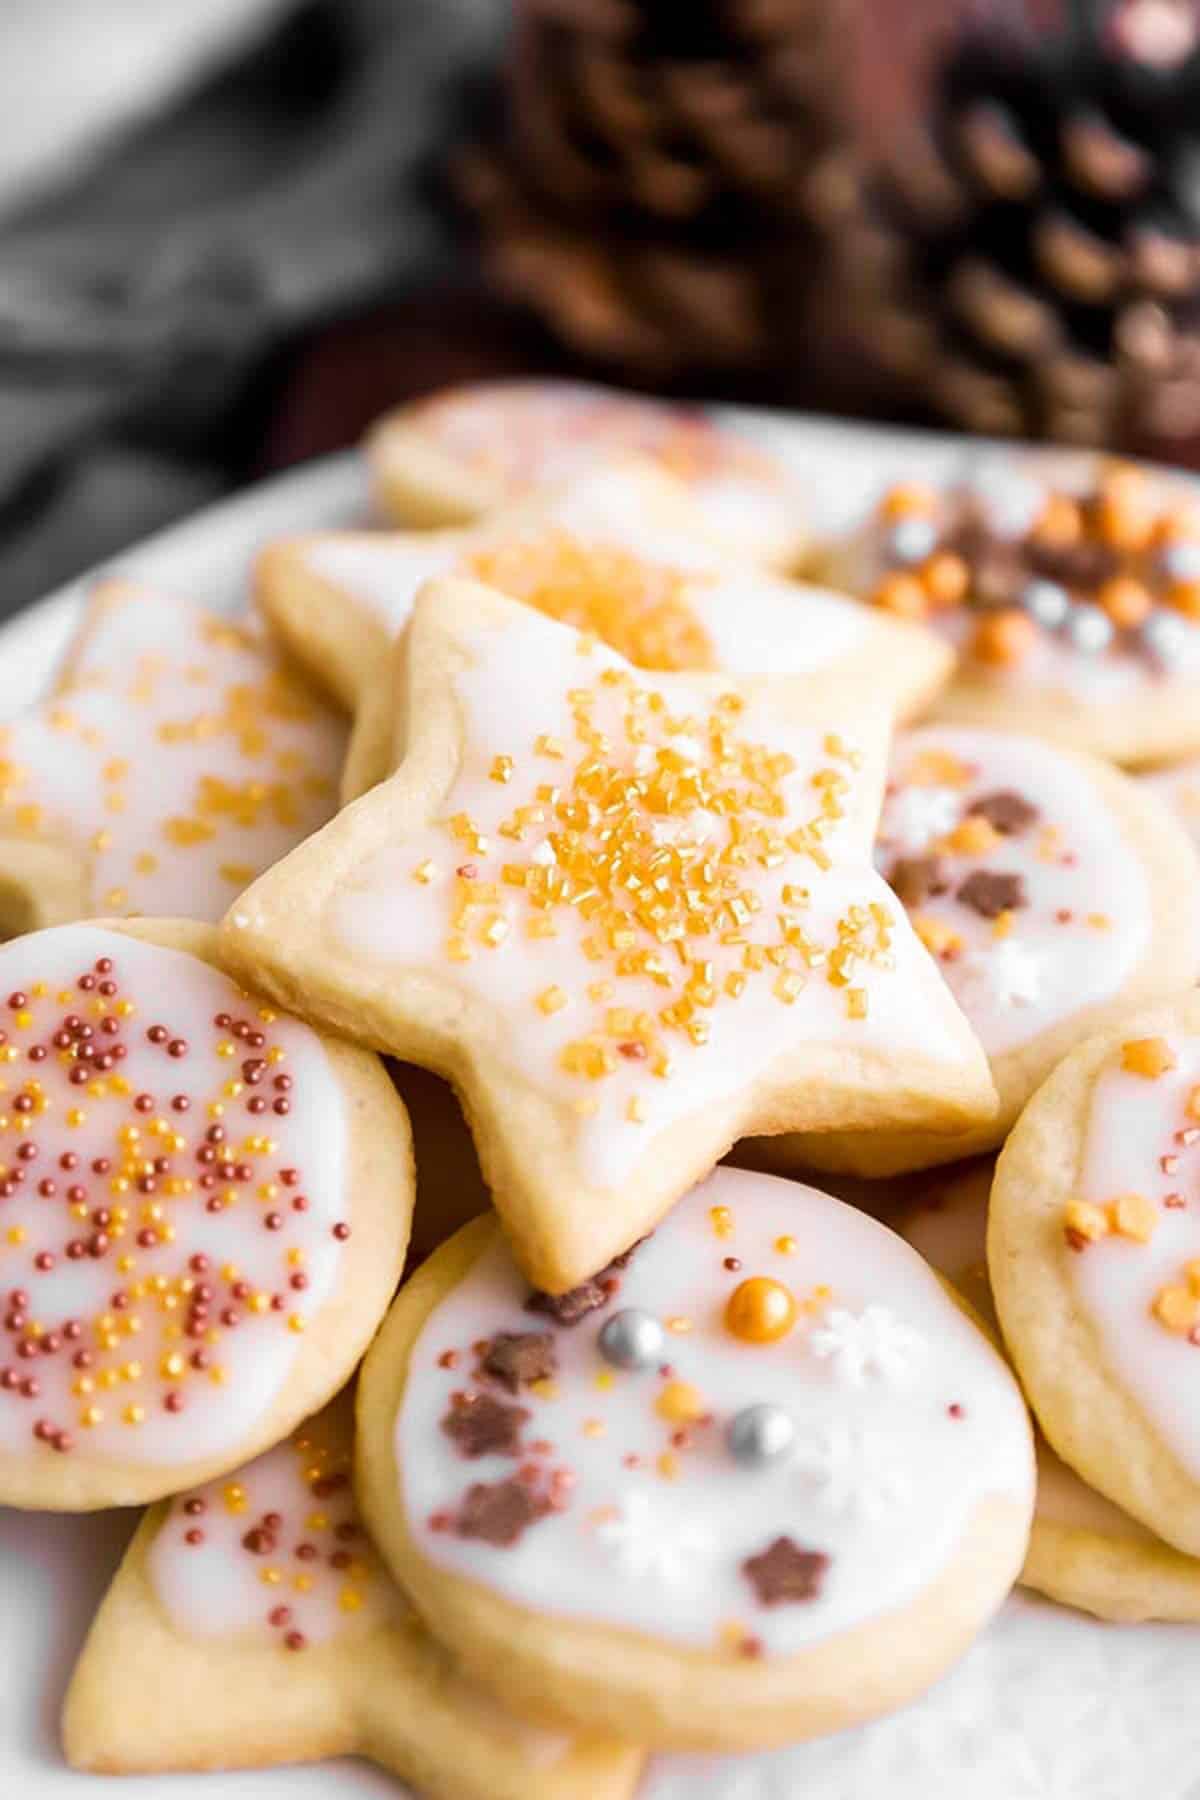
column 630, row 917
column 204, row 1207
column 178, row 757
column 1094, row 1257
column 1071, row 591
column 449, row 459
column 622, row 552
column 1083, row 1550
column 757, row 1481
column 251, row 1624
column 1056, row 894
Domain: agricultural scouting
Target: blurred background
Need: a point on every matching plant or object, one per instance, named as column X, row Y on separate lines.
column 233, row 231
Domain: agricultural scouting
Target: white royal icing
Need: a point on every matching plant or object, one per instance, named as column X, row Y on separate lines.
column 312, row 1558
column 384, row 911
column 383, row 571
column 181, row 762
column 525, row 434
column 119, row 1306
column 852, row 1470
column 999, row 978
column 753, row 622
column 1133, row 1123
column 655, row 1528
column 317, row 1581
column 1072, row 860
column 648, row 1541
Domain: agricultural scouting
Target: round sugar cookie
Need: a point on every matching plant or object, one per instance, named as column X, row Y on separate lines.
column 1094, row 1257
column 1056, row 894
column 449, row 459
column 204, row 1207
column 1069, row 585
column 760, row 1479
column 1083, row 1550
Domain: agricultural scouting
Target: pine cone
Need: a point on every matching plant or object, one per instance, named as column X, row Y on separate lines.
column 1045, row 276
column 666, row 173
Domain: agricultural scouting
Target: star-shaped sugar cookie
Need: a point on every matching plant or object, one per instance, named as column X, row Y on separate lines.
column 178, row 757
column 631, row 917
column 252, row 1624
column 621, row 551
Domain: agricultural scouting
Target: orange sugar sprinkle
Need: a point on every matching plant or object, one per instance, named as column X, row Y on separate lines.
column 1177, row 1308
column 1133, row 1216
column 1084, row 1223
column 657, row 837
column 637, row 606
column 1149, row 1057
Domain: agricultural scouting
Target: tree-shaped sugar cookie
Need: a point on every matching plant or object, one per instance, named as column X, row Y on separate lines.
column 254, row 1624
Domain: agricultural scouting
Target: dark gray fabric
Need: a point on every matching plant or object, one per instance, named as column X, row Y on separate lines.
column 136, row 305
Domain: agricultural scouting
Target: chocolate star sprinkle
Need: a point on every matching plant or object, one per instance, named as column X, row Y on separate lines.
column 991, row 893
column 578, row 1302
column 499, row 1512
column 516, row 1359
column 783, row 1574
column 483, row 1426
column 1006, row 811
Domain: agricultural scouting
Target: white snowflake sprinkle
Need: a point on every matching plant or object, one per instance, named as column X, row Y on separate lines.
column 848, row 1469
column 648, row 1542
column 1003, row 975
column 916, row 816
column 873, row 1342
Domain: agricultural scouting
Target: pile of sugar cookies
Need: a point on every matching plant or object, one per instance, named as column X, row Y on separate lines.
column 664, row 833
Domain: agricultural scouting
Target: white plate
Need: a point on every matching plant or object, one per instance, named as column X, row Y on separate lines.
column 1049, row 1705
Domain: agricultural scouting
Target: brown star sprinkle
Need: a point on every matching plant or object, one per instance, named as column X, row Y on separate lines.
column 516, row 1359
column 991, row 893
column 567, row 1309
column 484, row 1426
column 915, row 879
column 783, row 1574
column 1006, row 811
column 499, row 1512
